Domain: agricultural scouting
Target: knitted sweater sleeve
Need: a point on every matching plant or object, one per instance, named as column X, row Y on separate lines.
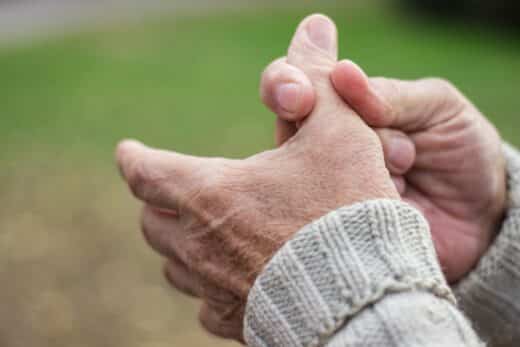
column 490, row 295
column 363, row 275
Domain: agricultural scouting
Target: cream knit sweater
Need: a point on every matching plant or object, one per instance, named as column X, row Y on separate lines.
column 367, row 275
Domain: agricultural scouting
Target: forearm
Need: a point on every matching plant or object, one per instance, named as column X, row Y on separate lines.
column 490, row 295
column 364, row 275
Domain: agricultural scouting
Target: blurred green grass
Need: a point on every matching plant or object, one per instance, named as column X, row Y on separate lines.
column 74, row 269
column 191, row 83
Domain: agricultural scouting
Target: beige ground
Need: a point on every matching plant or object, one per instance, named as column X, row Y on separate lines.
column 28, row 19
column 75, row 270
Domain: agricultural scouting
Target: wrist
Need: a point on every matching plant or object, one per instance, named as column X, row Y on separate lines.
column 338, row 265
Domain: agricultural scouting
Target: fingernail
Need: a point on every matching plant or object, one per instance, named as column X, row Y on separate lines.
column 288, row 96
column 321, row 32
column 400, row 153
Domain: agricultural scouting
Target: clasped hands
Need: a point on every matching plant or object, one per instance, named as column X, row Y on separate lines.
column 343, row 138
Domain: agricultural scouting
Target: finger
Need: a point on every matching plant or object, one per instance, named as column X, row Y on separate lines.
column 189, row 281
column 162, row 232
column 287, row 91
column 225, row 321
column 180, row 277
column 161, row 178
column 399, row 150
column 404, row 105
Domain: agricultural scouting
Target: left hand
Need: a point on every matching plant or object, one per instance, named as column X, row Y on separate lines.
column 445, row 156
column 231, row 216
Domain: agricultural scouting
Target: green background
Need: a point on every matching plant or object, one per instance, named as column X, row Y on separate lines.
column 74, row 268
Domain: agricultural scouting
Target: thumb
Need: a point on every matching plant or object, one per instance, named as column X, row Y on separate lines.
column 314, row 50
column 404, row 105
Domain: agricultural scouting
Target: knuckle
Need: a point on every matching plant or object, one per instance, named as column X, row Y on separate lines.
column 447, row 100
column 445, row 88
column 441, row 83
column 225, row 322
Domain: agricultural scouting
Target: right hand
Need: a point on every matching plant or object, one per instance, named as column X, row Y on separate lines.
column 444, row 156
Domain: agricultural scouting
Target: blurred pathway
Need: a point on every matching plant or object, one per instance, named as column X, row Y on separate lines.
column 26, row 19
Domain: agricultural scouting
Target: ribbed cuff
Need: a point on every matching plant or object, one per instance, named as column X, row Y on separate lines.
column 335, row 267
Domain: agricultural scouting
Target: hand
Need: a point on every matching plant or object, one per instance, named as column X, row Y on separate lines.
column 445, row 157
column 219, row 221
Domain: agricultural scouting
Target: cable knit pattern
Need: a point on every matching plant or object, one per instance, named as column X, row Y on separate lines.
column 338, row 269
column 490, row 295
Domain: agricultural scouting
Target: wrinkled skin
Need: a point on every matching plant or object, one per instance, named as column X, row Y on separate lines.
column 444, row 155
column 219, row 221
